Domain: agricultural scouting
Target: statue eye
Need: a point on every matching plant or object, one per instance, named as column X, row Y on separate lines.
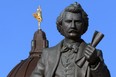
column 78, row 22
column 68, row 21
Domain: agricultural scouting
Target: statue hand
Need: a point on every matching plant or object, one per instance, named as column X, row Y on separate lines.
column 90, row 54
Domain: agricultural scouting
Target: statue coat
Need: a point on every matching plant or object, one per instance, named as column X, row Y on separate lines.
column 50, row 58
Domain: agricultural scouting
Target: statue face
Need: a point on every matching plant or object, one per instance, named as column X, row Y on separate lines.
column 72, row 25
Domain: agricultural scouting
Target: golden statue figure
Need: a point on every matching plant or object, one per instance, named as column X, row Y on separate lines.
column 38, row 16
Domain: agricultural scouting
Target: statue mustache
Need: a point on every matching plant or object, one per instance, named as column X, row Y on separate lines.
column 73, row 30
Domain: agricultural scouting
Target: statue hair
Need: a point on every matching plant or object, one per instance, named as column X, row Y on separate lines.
column 73, row 8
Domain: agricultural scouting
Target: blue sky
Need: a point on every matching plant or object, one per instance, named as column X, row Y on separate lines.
column 17, row 26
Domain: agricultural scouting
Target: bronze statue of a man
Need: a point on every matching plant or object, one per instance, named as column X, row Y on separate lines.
column 67, row 58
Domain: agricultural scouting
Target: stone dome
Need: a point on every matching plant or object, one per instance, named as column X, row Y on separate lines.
column 25, row 67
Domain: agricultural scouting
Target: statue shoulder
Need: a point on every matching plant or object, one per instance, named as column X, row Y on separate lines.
column 54, row 48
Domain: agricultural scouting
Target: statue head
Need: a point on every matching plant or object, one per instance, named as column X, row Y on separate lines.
column 73, row 21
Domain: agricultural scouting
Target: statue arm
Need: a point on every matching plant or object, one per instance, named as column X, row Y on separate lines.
column 39, row 69
column 100, row 70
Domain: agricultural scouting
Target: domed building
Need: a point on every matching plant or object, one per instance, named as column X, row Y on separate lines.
column 25, row 67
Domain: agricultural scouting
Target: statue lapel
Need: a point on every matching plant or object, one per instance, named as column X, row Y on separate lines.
column 54, row 59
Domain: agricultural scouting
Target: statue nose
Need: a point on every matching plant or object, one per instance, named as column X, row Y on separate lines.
column 72, row 24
